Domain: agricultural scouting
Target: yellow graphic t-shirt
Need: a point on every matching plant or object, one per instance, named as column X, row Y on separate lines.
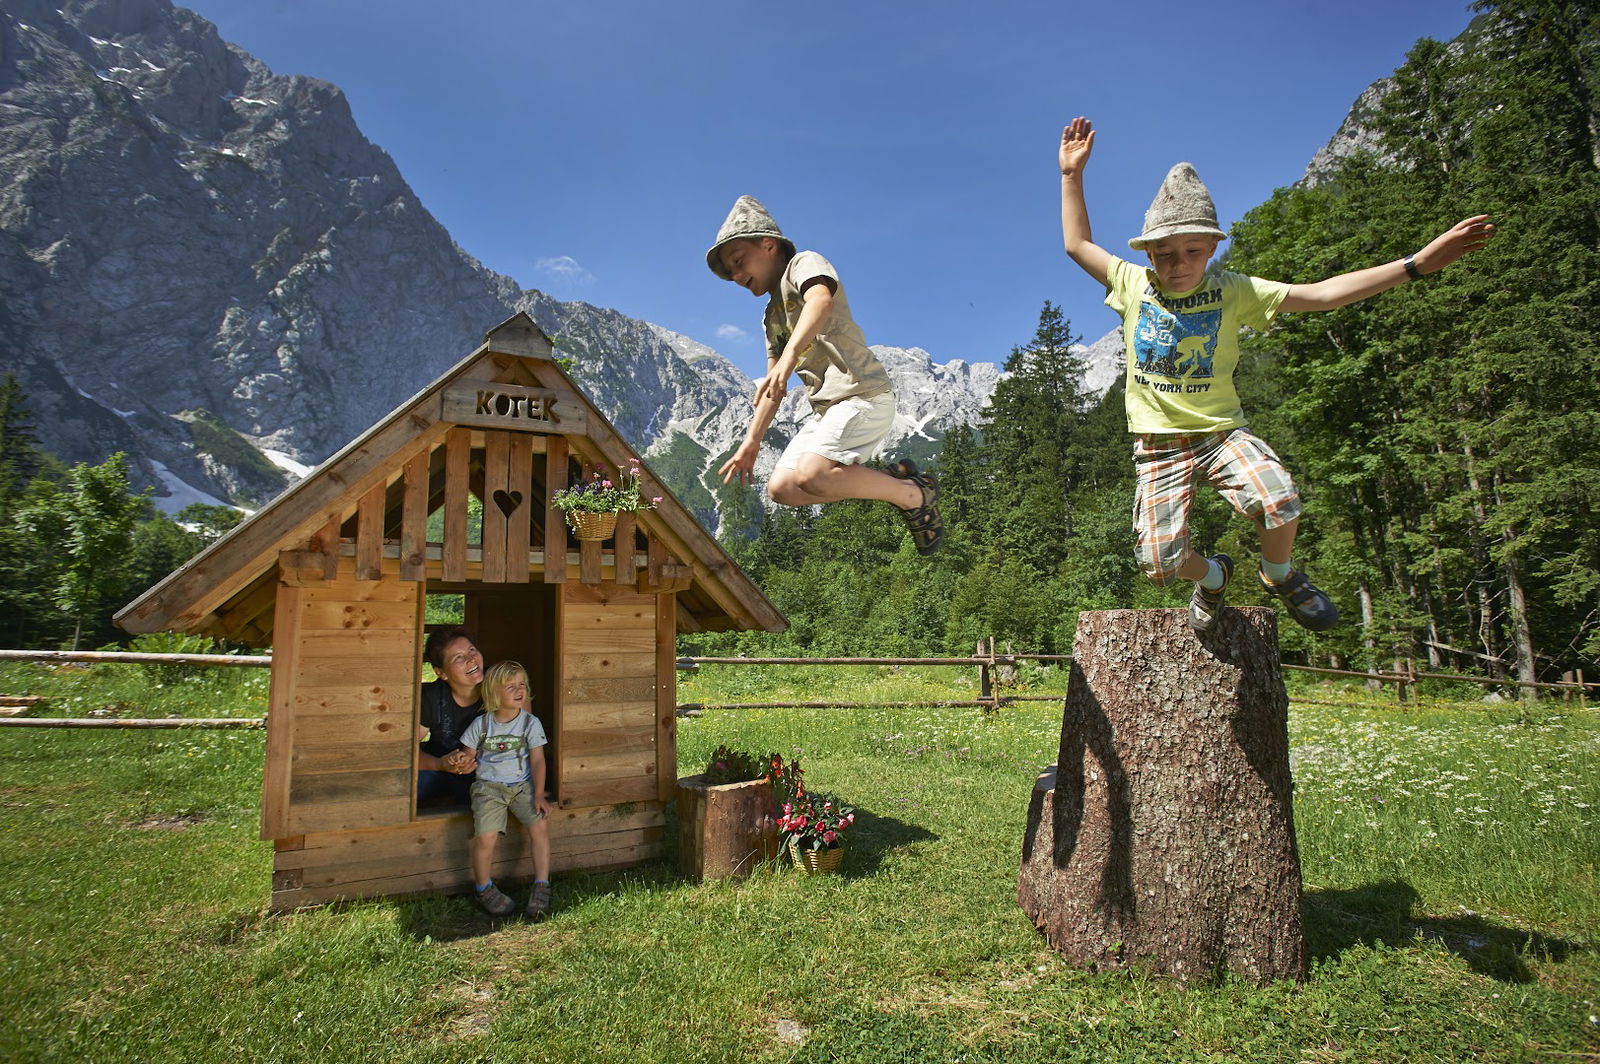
column 1182, row 350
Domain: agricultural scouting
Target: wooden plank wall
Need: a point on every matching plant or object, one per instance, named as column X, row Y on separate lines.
column 430, row 854
column 342, row 722
column 609, row 665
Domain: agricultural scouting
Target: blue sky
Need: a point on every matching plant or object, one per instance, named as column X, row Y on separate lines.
column 591, row 148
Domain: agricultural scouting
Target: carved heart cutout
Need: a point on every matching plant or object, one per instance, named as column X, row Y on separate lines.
column 508, row 501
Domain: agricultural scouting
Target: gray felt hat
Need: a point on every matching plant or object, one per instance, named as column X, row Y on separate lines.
column 1181, row 206
column 747, row 219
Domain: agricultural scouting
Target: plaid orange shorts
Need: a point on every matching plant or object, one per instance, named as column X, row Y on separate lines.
column 1236, row 462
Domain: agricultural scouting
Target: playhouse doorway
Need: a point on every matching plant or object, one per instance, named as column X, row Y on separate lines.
column 517, row 622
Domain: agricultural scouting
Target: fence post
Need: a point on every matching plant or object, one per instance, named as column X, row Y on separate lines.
column 1408, row 684
column 996, row 676
column 1583, row 692
column 985, row 655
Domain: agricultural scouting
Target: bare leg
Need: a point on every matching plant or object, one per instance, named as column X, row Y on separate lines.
column 1194, row 566
column 483, row 856
column 1277, row 544
column 539, row 846
column 820, row 480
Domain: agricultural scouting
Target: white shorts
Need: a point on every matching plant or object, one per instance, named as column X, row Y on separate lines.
column 848, row 432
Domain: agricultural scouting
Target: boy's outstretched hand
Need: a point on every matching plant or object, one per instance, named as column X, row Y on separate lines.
column 1077, row 140
column 1469, row 234
column 742, row 466
column 774, row 386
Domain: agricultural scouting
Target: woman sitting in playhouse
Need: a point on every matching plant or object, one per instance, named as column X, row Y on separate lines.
column 449, row 704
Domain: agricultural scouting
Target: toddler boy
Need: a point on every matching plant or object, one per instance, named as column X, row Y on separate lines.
column 508, row 742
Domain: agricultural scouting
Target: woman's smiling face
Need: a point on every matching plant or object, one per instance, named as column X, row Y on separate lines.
column 463, row 665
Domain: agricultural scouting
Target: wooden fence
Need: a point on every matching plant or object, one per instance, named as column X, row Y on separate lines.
column 992, row 672
column 993, row 675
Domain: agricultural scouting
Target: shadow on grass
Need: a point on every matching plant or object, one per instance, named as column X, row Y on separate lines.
column 1382, row 913
column 873, row 837
column 448, row 918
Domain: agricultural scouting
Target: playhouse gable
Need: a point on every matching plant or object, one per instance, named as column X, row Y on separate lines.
column 506, row 426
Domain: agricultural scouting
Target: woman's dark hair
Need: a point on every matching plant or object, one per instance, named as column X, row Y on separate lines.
column 433, row 649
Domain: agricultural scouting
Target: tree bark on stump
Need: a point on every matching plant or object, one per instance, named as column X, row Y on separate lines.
column 1164, row 836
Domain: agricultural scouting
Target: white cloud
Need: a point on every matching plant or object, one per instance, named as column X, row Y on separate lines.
column 731, row 332
column 565, row 268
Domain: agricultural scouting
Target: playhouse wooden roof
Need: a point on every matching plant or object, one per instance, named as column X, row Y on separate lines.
column 509, row 426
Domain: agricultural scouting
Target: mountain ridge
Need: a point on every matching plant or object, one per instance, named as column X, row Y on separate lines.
column 199, row 256
column 208, row 266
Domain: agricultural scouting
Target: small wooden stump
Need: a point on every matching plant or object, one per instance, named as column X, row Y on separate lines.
column 1164, row 836
column 725, row 829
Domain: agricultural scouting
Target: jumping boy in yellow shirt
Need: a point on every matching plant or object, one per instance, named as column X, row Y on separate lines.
column 1180, row 324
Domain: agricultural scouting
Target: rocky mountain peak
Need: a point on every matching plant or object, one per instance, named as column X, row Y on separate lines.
column 209, row 266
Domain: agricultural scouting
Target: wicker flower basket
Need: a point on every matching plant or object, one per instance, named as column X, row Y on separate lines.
column 588, row 525
column 815, row 861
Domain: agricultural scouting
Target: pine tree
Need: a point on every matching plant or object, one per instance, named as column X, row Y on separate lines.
column 1031, row 448
column 19, row 447
column 91, row 523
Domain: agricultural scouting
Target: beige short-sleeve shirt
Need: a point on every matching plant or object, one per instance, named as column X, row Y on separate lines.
column 838, row 364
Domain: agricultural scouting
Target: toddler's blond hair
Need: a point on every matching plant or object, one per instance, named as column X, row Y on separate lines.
column 497, row 676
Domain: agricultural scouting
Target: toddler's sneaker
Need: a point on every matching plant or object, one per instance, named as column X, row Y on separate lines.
column 1307, row 603
column 494, row 901
column 538, row 901
column 1206, row 606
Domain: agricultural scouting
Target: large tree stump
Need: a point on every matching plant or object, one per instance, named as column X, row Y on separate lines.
column 725, row 829
column 1164, row 837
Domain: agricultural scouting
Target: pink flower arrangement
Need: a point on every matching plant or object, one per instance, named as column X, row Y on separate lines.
column 807, row 821
column 603, row 494
column 736, row 766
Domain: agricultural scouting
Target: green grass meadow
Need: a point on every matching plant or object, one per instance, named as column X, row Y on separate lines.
column 1450, row 854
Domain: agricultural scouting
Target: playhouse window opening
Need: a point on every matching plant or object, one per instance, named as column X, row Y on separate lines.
column 516, row 622
column 435, row 532
column 444, row 611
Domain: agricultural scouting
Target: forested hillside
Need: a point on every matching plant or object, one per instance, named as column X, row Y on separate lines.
column 1444, row 434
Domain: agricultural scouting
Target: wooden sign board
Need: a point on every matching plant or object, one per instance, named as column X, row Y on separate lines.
column 511, row 406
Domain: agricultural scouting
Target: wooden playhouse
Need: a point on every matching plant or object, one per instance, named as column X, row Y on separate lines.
column 335, row 575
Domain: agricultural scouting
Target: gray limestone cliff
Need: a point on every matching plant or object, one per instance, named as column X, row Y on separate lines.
column 200, row 259
column 208, row 266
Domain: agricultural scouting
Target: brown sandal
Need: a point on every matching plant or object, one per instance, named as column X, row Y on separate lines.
column 923, row 522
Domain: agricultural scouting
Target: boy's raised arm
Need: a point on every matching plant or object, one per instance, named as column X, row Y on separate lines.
column 1077, row 141
column 818, row 297
column 1469, row 234
column 742, row 466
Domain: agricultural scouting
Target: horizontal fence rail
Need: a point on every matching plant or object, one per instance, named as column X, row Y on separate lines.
column 988, row 663
column 131, row 724
column 119, row 657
